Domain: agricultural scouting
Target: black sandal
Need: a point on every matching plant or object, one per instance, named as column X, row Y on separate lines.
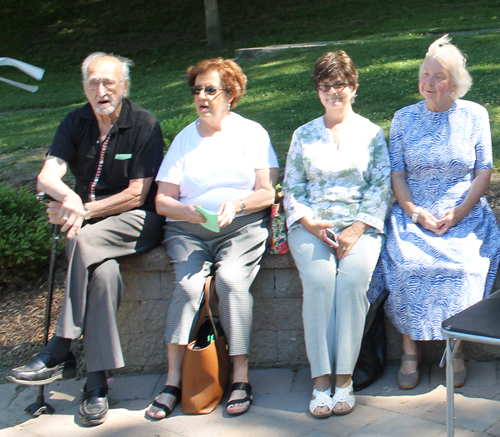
column 171, row 390
column 248, row 398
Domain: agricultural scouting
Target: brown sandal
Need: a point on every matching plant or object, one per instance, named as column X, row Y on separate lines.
column 407, row 381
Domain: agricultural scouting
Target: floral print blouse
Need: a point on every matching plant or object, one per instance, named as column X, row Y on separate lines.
column 338, row 185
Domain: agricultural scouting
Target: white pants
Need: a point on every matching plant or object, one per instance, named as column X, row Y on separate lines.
column 334, row 298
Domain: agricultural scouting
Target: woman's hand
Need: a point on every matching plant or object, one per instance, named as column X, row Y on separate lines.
column 455, row 215
column 349, row 237
column 227, row 212
column 315, row 227
column 451, row 218
column 428, row 221
column 193, row 216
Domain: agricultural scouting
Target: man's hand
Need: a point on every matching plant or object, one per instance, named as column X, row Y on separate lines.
column 69, row 214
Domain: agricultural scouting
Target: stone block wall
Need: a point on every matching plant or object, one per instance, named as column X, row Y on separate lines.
column 277, row 337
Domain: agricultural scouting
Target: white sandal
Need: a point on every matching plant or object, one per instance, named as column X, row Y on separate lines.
column 343, row 395
column 321, row 399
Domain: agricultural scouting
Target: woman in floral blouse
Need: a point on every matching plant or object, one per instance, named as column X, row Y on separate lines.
column 337, row 178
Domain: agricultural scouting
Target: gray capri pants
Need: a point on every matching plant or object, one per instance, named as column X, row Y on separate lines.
column 94, row 284
column 334, row 298
column 234, row 254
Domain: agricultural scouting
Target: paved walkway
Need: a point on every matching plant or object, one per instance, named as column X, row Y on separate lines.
column 281, row 399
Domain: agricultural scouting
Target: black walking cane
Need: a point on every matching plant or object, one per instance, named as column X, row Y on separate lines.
column 40, row 406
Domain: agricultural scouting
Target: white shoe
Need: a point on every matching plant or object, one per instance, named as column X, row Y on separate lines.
column 321, row 399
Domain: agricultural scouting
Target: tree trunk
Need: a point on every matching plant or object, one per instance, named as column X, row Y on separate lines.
column 214, row 29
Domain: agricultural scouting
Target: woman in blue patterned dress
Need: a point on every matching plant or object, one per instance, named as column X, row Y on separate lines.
column 443, row 240
column 337, row 178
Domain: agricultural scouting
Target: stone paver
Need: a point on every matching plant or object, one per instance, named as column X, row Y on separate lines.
column 280, row 408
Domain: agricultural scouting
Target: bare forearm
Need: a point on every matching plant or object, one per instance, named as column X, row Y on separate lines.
column 116, row 204
column 131, row 197
column 402, row 192
column 170, row 207
column 257, row 201
column 264, row 193
column 54, row 187
column 477, row 189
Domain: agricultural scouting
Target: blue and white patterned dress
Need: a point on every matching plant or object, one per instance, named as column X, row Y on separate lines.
column 432, row 277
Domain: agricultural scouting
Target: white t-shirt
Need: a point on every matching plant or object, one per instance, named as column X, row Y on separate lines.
column 211, row 171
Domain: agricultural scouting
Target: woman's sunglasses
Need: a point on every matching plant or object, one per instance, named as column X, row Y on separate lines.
column 209, row 90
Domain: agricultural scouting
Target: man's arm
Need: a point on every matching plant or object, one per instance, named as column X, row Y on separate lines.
column 131, row 197
column 68, row 209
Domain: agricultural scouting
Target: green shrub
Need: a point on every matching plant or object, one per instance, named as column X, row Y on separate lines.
column 172, row 126
column 25, row 233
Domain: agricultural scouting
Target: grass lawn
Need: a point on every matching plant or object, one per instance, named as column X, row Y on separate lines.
column 387, row 41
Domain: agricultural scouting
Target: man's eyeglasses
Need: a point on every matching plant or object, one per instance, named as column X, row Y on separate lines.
column 109, row 84
column 209, row 90
column 337, row 86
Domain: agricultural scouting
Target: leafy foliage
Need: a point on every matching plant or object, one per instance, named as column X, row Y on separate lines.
column 25, row 234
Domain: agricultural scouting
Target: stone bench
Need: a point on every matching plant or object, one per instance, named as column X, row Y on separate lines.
column 277, row 336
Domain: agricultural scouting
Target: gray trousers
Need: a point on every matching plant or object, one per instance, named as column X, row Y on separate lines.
column 94, row 283
column 234, row 254
column 334, row 298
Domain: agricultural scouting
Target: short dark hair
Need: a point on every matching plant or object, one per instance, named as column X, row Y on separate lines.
column 231, row 75
column 335, row 64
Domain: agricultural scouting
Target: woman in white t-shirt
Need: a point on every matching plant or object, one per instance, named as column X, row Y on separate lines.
column 226, row 165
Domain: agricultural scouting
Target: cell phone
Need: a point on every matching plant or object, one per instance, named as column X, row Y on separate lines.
column 331, row 237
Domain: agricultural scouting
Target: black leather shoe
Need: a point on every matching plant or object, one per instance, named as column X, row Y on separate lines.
column 44, row 369
column 94, row 407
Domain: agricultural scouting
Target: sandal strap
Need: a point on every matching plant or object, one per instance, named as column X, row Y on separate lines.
column 321, row 399
column 410, row 358
column 245, row 386
column 344, row 395
column 166, row 409
column 172, row 390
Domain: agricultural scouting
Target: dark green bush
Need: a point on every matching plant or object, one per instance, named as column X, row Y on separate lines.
column 25, row 233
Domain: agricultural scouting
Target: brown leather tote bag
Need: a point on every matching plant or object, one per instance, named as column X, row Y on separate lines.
column 205, row 371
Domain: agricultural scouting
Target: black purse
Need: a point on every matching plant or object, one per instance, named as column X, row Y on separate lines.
column 372, row 356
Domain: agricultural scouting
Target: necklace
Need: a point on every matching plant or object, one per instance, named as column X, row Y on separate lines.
column 99, row 167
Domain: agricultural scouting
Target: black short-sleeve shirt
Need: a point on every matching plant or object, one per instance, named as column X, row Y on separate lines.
column 134, row 151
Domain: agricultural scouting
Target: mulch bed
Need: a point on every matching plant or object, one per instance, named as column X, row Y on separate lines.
column 22, row 318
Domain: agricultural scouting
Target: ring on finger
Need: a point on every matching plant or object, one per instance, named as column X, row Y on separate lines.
column 65, row 217
column 344, row 248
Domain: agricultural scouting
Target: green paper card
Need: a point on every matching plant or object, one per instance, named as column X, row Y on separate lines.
column 212, row 219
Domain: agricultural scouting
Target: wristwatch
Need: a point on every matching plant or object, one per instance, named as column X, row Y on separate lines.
column 87, row 215
column 416, row 212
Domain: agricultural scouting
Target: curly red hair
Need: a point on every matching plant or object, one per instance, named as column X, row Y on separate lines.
column 231, row 75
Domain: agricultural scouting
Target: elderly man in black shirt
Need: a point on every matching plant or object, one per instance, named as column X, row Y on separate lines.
column 114, row 148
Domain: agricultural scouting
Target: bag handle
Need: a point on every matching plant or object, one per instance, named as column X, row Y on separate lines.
column 205, row 310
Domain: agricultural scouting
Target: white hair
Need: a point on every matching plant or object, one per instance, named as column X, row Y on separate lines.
column 453, row 60
column 125, row 62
